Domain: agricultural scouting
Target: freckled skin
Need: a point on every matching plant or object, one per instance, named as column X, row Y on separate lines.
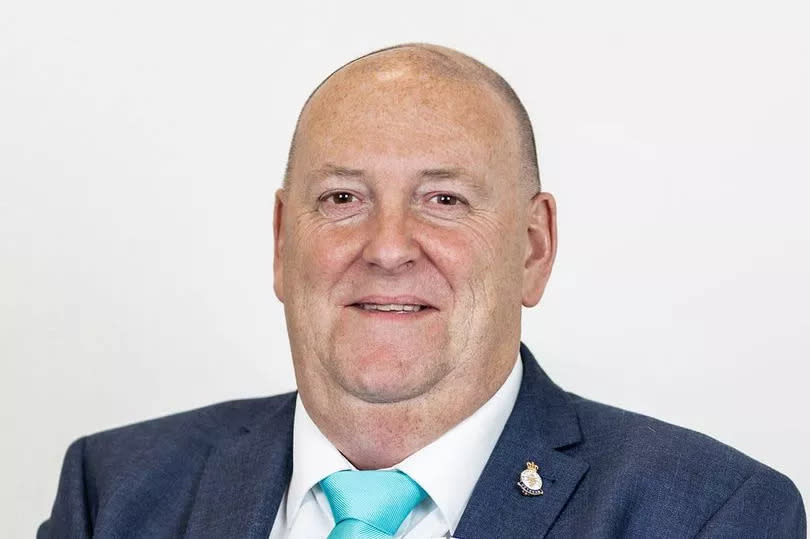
column 381, row 388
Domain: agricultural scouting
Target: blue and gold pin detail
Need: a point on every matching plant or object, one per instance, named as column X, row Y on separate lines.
column 531, row 484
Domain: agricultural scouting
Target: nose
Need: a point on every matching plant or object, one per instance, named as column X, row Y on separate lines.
column 391, row 246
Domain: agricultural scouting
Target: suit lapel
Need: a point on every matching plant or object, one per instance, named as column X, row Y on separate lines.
column 245, row 478
column 542, row 421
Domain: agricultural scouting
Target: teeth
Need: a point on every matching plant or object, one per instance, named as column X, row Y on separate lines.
column 389, row 307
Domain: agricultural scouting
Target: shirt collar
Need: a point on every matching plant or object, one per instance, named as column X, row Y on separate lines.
column 447, row 469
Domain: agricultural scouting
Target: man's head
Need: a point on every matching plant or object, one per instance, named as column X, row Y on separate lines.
column 410, row 230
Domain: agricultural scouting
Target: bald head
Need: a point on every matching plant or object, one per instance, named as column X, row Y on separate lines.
column 425, row 66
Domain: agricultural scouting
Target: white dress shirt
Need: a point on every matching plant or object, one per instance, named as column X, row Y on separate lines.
column 446, row 469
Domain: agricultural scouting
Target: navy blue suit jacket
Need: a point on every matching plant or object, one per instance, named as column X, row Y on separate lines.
column 220, row 472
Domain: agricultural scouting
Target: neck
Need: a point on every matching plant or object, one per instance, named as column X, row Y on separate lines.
column 373, row 435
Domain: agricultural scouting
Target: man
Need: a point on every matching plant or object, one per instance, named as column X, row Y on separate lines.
column 410, row 231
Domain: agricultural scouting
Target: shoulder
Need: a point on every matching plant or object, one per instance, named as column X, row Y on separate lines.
column 112, row 477
column 610, row 432
column 701, row 483
column 176, row 441
column 200, row 424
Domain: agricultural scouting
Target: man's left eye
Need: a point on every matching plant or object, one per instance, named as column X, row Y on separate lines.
column 446, row 200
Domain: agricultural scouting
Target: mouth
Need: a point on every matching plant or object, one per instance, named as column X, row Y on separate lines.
column 396, row 308
column 392, row 305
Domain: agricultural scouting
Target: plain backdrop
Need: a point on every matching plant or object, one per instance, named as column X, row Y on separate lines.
column 141, row 144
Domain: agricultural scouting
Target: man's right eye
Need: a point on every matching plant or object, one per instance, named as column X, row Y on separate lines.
column 339, row 204
column 341, row 198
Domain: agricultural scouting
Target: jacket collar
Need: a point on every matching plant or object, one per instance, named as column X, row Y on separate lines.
column 245, row 477
column 542, row 421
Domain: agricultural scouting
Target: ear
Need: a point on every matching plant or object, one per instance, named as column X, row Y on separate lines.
column 541, row 247
column 278, row 242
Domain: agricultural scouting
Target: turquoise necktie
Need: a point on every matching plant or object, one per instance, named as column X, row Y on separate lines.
column 370, row 504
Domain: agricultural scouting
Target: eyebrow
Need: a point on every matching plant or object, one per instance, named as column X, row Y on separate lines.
column 341, row 172
column 439, row 174
column 443, row 173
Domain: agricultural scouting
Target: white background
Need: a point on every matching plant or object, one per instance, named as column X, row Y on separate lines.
column 141, row 144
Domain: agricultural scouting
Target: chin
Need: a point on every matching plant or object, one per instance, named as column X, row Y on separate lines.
column 387, row 376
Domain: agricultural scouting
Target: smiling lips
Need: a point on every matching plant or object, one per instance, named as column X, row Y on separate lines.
column 392, row 304
column 391, row 307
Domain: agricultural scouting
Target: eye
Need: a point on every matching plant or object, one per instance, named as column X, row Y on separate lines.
column 445, row 199
column 445, row 205
column 339, row 204
column 341, row 198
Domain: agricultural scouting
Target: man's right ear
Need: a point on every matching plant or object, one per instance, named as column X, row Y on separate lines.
column 278, row 244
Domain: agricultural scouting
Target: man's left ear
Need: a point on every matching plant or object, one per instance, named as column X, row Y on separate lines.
column 541, row 247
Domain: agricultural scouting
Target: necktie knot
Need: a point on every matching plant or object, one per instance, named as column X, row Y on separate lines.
column 370, row 503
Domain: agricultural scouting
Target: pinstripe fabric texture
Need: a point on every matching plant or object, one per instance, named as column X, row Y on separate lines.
column 370, row 503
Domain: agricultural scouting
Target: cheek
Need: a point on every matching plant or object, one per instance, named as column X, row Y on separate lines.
column 481, row 263
column 454, row 256
column 464, row 262
column 317, row 259
column 322, row 256
column 467, row 252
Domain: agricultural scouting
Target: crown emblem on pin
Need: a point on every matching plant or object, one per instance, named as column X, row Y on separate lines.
column 531, row 484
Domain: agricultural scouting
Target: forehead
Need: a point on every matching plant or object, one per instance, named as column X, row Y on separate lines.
column 400, row 113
